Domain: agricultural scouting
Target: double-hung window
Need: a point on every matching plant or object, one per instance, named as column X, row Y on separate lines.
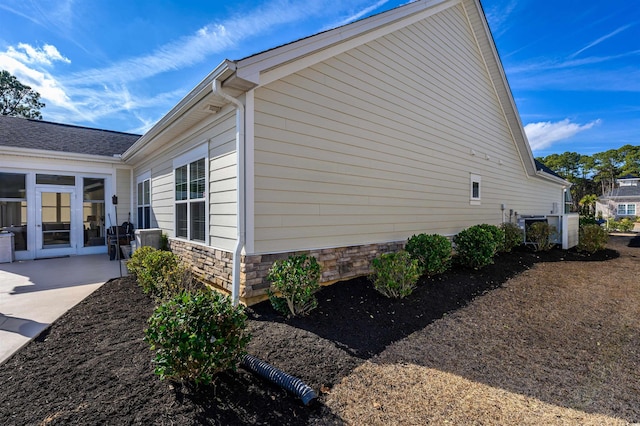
column 191, row 199
column 144, row 201
column 626, row 209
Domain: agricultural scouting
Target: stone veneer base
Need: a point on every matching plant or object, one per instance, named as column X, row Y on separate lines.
column 214, row 266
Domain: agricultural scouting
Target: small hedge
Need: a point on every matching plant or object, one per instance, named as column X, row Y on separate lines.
column 541, row 235
column 433, row 253
column 475, row 247
column 159, row 273
column 592, row 238
column 395, row 274
column 197, row 335
column 295, row 281
column 622, row 225
column 497, row 235
column 513, row 236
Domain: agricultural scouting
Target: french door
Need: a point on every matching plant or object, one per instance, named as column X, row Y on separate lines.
column 55, row 218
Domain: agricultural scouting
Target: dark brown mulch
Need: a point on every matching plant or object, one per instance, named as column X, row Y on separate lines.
column 92, row 367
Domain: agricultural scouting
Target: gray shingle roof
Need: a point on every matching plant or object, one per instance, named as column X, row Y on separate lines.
column 37, row 134
column 623, row 191
column 542, row 167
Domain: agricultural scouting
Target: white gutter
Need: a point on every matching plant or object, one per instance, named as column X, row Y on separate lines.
column 240, row 197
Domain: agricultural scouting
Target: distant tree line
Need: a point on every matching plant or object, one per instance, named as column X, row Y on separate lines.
column 593, row 175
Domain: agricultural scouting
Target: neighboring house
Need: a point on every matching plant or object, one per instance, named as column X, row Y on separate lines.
column 341, row 145
column 622, row 201
column 56, row 183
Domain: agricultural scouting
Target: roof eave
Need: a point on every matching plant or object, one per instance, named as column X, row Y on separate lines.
column 60, row 155
column 556, row 179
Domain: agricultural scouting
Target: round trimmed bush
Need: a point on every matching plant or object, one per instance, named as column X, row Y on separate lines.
column 475, row 247
column 592, row 238
column 513, row 236
column 497, row 234
column 197, row 335
column 295, row 281
column 433, row 253
column 156, row 271
column 395, row 274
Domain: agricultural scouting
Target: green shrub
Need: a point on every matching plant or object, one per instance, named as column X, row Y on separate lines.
column 395, row 274
column 624, row 225
column 158, row 272
column 513, row 236
column 294, row 282
column 433, row 253
column 592, row 238
column 164, row 242
column 135, row 263
column 197, row 335
column 497, row 234
column 541, row 235
column 587, row 220
column 475, row 247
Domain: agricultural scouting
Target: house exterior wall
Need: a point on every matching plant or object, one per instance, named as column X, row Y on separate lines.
column 608, row 208
column 379, row 143
column 123, row 190
column 219, row 136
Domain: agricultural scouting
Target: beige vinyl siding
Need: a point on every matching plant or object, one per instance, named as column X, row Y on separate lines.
column 123, row 190
column 220, row 136
column 223, row 186
column 376, row 144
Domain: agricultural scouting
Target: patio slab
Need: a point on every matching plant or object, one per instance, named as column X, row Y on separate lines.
column 34, row 293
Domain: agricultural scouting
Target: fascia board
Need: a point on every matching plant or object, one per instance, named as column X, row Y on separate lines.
column 277, row 63
column 553, row 178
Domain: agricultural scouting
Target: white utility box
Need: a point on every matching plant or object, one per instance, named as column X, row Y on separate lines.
column 148, row 237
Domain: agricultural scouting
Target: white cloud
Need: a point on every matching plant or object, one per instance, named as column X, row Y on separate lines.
column 499, row 17
column 28, row 54
column 27, row 69
column 114, row 91
column 359, row 14
column 600, row 40
column 545, row 133
column 211, row 39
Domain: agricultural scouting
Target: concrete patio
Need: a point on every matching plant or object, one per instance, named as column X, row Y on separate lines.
column 34, row 293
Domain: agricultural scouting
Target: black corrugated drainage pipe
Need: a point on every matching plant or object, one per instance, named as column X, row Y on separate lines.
column 280, row 378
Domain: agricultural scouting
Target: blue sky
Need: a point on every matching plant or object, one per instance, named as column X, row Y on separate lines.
column 573, row 66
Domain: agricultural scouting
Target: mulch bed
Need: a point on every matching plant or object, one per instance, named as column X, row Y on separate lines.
column 92, row 367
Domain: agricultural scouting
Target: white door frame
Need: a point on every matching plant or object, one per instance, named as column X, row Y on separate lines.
column 74, row 235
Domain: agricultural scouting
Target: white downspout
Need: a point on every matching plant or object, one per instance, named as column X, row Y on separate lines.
column 240, row 199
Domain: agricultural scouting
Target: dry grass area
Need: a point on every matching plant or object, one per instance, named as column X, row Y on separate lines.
column 557, row 345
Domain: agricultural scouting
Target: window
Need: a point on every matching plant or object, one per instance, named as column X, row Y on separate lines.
column 144, row 201
column 626, row 209
column 568, row 202
column 55, row 180
column 190, row 190
column 13, row 207
column 93, row 211
column 474, row 183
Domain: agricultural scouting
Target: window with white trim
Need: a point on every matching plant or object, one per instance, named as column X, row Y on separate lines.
column 144, row 201
column 190, row 200
column 474, row 189
column 626, row 209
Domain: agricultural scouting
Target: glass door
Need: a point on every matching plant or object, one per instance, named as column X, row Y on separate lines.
column 55, row 233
